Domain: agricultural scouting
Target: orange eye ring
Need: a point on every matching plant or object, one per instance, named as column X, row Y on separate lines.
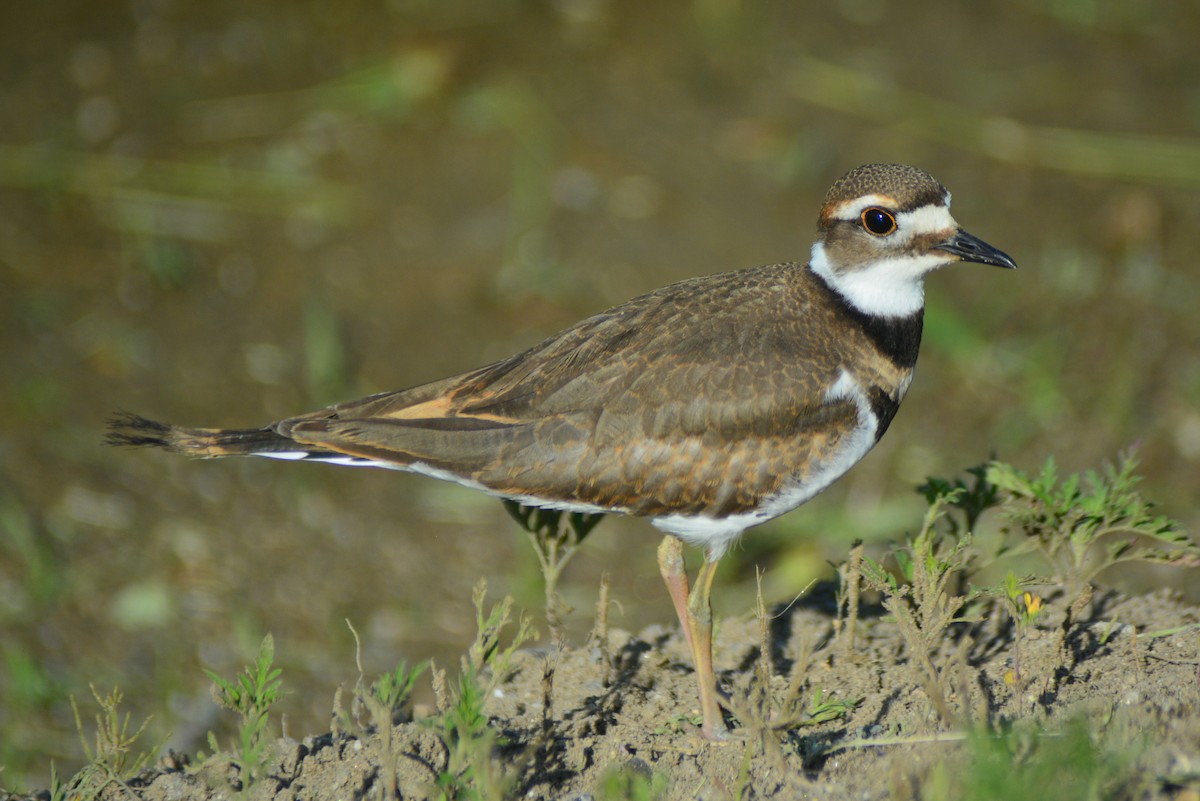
column 877, row 221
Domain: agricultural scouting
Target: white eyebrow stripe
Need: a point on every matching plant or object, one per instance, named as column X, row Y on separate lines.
column 924, row 220
column 851, row 210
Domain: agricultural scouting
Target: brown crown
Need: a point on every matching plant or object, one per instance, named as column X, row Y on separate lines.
column 910, row 187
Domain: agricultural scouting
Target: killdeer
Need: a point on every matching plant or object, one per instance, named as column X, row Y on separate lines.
column 708, row 406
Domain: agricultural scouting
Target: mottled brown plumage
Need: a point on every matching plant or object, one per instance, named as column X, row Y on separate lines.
column 908, row 187
column 709, row 405
column 700, row 398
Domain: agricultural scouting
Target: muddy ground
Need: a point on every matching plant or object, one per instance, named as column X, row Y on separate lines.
column 1104, row 707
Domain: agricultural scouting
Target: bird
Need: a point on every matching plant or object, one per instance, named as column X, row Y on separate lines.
column 708, row 406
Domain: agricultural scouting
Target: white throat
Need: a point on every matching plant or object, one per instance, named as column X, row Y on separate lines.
column 886, row 288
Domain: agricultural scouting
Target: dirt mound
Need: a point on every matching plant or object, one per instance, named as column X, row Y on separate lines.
column 1105, row 706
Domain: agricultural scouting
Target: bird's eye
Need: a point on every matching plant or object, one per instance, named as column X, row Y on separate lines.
column 878, row 221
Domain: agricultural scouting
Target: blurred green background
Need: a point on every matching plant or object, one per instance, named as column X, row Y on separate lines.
column 222, row 213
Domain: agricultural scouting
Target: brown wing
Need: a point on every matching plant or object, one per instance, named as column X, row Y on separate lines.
column 690, row 399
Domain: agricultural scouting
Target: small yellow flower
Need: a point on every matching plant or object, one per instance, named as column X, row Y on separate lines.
column 1033, row 604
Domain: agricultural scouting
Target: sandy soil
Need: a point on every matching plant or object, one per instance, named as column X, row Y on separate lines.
column 1126, row 672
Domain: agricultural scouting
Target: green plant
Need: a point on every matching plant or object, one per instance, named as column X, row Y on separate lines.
column 849, row 588
column 470, row 771
column 628, row 784
column 823, row 710
column 971, row 498
column 771, row 716
column 58, row 789
column 1068, row 520
column 386, row 701
column 251, row 694
column 111, row 761
column 1083, row 762
column 679, row 723
column 555, row 536
column 922, row 594
column 1024, row 608
column 392, row 691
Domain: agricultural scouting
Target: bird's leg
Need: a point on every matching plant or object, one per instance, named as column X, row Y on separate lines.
column 695, row 617
column 699, row 612
column 674, row 573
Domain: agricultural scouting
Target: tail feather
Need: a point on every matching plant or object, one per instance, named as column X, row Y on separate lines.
column 132, row 430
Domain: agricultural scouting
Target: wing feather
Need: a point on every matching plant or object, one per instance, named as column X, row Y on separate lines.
column 654, row 382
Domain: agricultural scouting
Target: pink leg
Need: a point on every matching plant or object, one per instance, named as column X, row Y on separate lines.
column 695, row 617
column 670, row 564
column 699, row 611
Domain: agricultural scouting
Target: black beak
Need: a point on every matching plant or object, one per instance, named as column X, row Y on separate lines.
column 972, row 248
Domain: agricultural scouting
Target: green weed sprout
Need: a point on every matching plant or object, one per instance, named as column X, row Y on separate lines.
column 971, row 499
column 555, row 536
column 251, row 695
column 770, row 716
column 627, row 784
column 470, row 772
column 1024, row 608
column 1068, row 520
column 1083, row 762
column 386, row 700
column 924, row 598
column 386, row 703
column 393, row 690
column 111, row 761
